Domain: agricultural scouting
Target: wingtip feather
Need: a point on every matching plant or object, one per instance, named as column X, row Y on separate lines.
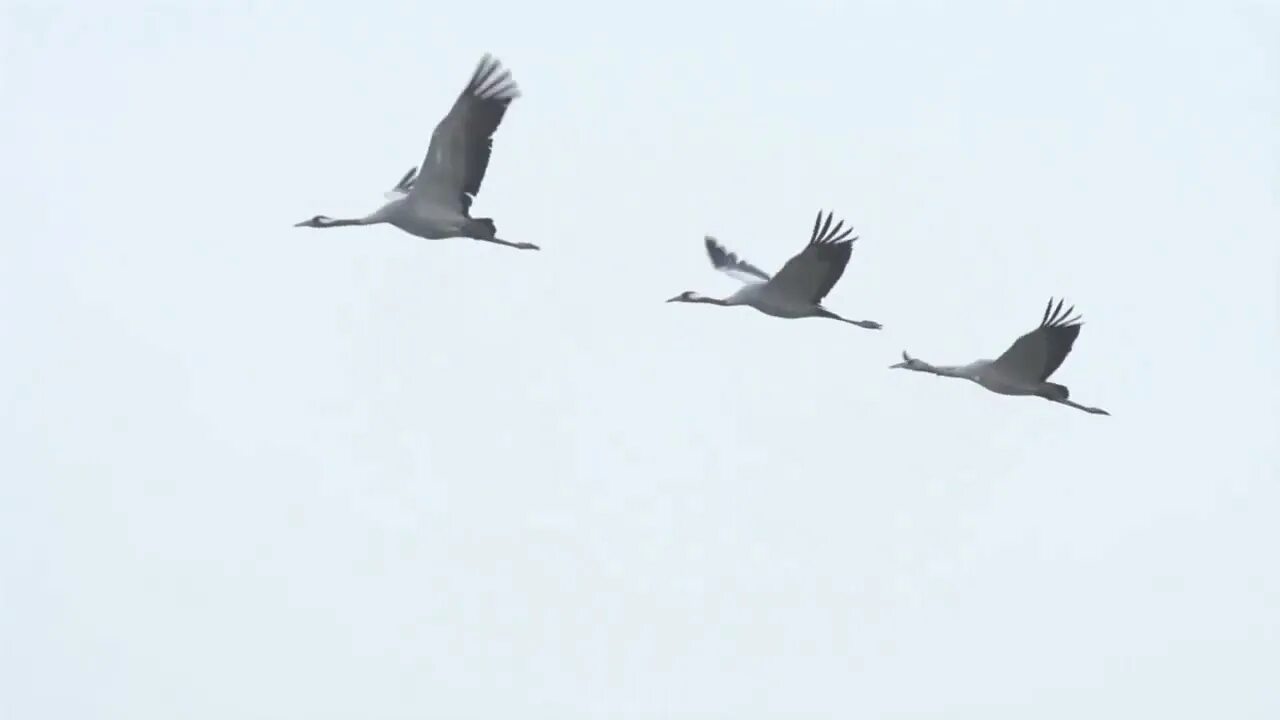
column 824, row 233
column 492, row 81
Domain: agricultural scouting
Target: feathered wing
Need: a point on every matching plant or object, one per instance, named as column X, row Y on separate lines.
column 462, row 142
column 1036, row 355
column 402, row 188
column 732, row 265
column 811, row 274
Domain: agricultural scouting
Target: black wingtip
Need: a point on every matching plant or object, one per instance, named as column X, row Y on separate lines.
column 825, row 234
column 492, row 81
column 821, row 225
column 716, row 252
column 1055, row 316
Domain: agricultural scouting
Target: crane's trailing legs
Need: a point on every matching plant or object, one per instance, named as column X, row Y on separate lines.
column 868, row 324
column 484, row 229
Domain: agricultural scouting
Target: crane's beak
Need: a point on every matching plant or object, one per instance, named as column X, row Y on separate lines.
column 906, row 359
column 674, row 299
column 304, row 223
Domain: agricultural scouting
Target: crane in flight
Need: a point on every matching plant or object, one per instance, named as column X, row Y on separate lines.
column 799, row 287
column 1024, row 368
column 436, row 202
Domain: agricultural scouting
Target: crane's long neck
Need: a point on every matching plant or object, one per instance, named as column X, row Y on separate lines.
column 960, row 371
column 339, row 222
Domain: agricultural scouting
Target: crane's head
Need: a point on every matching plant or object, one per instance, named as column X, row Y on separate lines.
column 910, row 363
column 317, row 221
column 688, row 296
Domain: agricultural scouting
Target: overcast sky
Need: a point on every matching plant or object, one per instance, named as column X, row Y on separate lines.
column 254, row 471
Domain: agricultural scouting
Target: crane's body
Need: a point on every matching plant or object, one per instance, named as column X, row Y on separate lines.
column 767, row 299
column 1024, row 368
column 799, row 287
column 436, row 203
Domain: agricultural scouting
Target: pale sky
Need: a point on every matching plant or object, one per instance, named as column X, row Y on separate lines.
column 254, row 471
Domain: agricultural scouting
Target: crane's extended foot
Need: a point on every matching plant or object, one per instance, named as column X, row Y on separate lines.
column 868, row 324
column 516, row 245
column 1086, row 408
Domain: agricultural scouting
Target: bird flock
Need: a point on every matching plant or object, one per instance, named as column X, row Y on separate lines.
column 433, row 201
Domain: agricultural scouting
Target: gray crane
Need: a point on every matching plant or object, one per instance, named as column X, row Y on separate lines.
column 436, row 202
column 799, row 287
column 1024, row 368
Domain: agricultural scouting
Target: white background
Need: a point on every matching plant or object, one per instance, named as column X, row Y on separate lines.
column 253, row 471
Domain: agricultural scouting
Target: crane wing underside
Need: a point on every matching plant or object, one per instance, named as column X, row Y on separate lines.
column 1036, row 355
column 732, row 265
column 461, row 144
column 810, row 275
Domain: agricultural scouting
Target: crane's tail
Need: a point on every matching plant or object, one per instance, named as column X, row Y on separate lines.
column 1056, row 392
column 481, row 229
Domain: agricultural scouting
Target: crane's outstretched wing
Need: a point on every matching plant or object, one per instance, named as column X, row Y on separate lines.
column 732, row 265
column 402, row 188
column 811, row 274
column 461, row 144
column 1036, row 355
